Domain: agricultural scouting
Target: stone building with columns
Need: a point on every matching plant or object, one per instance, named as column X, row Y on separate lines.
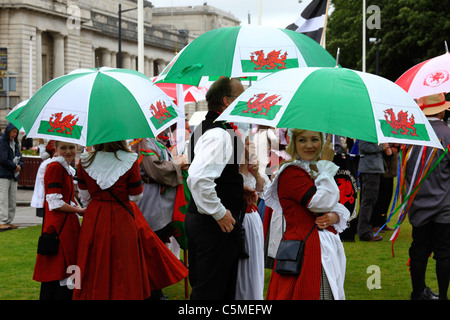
column 46, row 39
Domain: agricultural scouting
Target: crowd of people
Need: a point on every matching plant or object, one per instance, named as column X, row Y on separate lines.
column 112, row 217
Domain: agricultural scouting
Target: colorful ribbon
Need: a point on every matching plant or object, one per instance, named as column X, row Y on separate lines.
column 407, row 198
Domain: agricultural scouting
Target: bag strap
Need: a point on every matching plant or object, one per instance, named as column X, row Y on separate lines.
column 282, row 228
column 314, row 226
column 118, row 200
column 60, row 230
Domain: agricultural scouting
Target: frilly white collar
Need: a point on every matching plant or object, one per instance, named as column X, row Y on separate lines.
column 63, row 162
column 271, row 194
column 106, row 169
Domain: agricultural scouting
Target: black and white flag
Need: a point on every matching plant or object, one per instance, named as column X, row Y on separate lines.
column 312, row 20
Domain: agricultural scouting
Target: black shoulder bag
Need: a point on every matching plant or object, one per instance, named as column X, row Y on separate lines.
column 290, row 256
column 48, row 243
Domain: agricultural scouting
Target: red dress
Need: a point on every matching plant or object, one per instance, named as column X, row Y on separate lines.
column 54, row 267
column 163, row 268
column 293, row 184
column 110, row 254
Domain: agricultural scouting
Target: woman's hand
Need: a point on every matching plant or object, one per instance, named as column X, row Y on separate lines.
column 326, row 220
column 328, row 150
column 81, row 210
column 250, row 195
column 253, row 168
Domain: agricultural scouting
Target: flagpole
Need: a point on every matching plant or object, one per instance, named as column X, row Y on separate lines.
column 323, row 40
column 364, row 38
column 141, row 36
column 259, row 12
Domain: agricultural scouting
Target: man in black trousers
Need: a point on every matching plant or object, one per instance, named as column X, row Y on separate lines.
column 217, row 204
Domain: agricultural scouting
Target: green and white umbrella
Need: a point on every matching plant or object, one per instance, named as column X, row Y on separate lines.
column 11, row 117
column 334, row 100
column 92, row 106
column 244, row 51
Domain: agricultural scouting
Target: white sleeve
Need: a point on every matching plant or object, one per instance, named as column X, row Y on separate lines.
column 327, row 194
column 212, row 152
column 343, row 215
column 54, row 200
column 136, row 197
column 85, row 197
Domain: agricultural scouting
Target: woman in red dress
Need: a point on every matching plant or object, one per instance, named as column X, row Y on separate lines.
column 119, row 256
column 60, row 216
column 305, row 192
column 110, row 255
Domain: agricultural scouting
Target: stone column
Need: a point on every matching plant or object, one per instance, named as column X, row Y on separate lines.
column 147, row 67
column 94, row 63
column 126, row 60
column 151, row 69
column 113, row 57
column 133, row 60
column 58, row 55
column 106, row 58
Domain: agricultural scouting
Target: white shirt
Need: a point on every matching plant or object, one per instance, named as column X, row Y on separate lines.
column 212, row 152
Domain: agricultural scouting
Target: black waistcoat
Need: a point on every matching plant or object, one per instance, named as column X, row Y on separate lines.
column 230, row 184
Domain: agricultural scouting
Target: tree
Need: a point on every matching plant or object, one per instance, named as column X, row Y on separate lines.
column 411, row 31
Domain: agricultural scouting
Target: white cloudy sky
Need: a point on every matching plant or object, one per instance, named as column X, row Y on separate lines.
column 276, row 13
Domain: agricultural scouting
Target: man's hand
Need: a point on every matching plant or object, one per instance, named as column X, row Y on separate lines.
column 227, row 222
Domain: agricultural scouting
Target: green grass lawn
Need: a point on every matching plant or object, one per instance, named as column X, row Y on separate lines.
column 18, row 254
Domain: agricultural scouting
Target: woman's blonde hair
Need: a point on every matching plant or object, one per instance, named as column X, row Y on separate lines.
column 107, row 147
column 291, row 149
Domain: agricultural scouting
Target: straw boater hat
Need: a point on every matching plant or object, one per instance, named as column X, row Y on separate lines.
column 433, row 104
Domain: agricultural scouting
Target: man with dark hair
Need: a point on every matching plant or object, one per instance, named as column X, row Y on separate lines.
column 214, row 212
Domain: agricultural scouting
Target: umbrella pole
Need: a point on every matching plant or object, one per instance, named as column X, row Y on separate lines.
column 337, row 57
column 181, row 124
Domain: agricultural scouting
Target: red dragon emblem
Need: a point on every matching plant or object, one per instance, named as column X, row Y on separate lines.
column 160, row 111
column 400, row 122
column 347, row 194
column 65, row 125
column 259, row 101
column 437, row 78
column 272, row 60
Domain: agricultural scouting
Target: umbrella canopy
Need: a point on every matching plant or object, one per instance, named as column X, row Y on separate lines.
column 190, row 93
column 11, row 117
column 244, row 51
column 92, row 106
column 334, row 100
column 426, row 78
